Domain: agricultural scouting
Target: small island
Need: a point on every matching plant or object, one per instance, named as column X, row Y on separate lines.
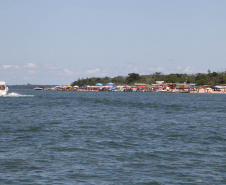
column 173, row 83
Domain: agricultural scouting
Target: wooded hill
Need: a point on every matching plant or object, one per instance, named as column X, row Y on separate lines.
column 209, row 78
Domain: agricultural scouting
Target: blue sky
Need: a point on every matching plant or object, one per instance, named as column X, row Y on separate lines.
column 59, row 41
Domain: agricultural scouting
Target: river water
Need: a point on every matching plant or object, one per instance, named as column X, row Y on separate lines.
column 53, row 137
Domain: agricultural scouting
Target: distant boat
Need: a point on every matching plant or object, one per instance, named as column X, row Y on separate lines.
column 178, row 91
column 38, row 88
column 3, row 88
column 162, row 90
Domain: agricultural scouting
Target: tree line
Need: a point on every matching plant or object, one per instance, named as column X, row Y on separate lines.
column 209, row 78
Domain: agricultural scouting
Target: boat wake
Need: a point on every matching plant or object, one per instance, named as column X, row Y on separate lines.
column 13, row 94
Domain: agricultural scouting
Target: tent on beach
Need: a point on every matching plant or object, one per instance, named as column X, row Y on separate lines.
column 99, row 84
column 110, row 83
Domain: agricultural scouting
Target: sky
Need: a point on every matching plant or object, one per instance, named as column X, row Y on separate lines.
column 56, row 42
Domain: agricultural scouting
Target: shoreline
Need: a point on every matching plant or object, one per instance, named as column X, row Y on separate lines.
column 198, row 91
column 209, row 91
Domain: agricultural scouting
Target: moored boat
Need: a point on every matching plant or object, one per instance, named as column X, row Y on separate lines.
column 162, row 90
column 3, row 88
column 179, row 91
column 38, row 88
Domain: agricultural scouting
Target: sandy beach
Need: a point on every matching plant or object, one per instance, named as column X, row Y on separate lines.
column 204, row 90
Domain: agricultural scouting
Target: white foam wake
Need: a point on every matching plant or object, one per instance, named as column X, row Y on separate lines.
column 14, row 94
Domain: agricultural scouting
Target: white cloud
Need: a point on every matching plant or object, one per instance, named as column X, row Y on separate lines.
column 30, row 65
column 156, row 69
column 27, row 78
column 132, row 68
column 93, row 71
column 10, row 67
column 189, row 70
column 32, row 72
column 68, row 72
column 52, row 67
column 179, row 68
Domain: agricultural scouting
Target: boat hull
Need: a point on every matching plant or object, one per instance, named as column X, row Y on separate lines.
column 38, row 88
column 4, row 92
column 3, row 89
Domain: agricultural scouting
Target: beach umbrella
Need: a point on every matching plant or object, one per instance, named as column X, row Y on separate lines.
column 110, row 83
column 99, row 84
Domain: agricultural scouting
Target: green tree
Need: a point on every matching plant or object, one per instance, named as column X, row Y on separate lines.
column 133, row 77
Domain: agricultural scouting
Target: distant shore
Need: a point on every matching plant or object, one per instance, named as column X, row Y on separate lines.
column 163, row 88
column 195, row 91
column 211, row 91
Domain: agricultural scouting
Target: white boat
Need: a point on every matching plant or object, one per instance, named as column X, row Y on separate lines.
column 178, row 91
column 38, row 88
column 162, row 90
column 3, row 88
